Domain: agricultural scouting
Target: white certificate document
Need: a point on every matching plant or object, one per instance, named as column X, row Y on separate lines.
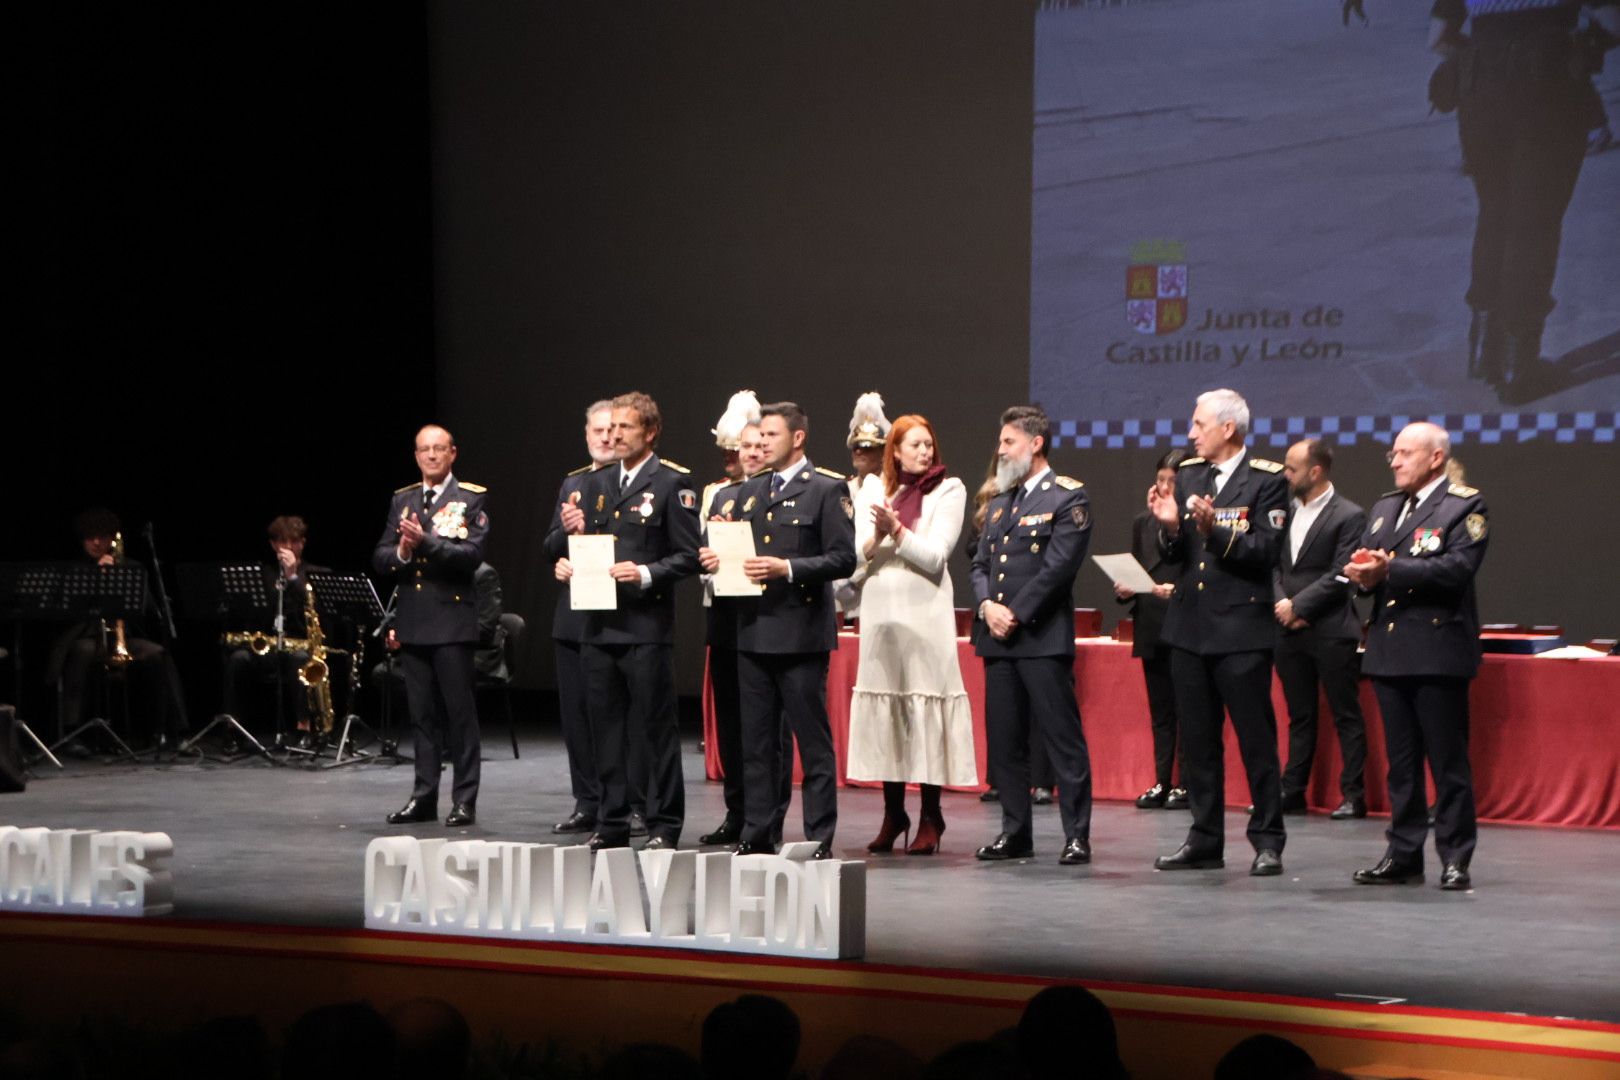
column 592, row 587
column 733, row 541
column 1124, row 570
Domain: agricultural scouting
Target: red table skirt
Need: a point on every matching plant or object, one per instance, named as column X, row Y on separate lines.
column 1545, row 738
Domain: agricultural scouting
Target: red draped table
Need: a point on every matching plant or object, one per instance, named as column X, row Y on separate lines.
column 1545, row 738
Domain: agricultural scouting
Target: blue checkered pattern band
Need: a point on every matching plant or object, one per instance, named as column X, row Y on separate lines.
column 1487, row 429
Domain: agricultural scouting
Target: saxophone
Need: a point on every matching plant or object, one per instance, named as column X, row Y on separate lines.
column 315, row 674
column 259, row 643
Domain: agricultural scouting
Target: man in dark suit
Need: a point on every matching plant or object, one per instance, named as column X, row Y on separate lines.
column 432, row 543
column 804, row 540
column 1419, row 558
column 1223, row 526
column 1035, row 537
column 1318, row 629
column 648, row 506
column 568, row 631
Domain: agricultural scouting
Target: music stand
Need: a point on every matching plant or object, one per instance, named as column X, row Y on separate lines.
column 93, row 592
column 230, row 592
column 351, row 599
column 26, row 590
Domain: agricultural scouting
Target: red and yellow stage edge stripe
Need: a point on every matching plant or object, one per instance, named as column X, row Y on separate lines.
column 164, row 970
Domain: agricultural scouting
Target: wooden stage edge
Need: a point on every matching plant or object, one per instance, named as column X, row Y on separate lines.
column 169, row 972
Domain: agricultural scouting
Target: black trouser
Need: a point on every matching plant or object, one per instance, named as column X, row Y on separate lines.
column 439, row 689
column 1426, row 718
column 1305, row 661
column 1240, row 684
column 630, row 698
column 1522, row 121
column 1030, row 698
column 151, row 670
column 1161, row 697
column 728, row 727
column 245, row 671
column 771, row 685
column 576, row 729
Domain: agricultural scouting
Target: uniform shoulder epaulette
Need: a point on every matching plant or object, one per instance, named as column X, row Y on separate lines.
column 1396, row 494
column 1190, row 461
column 581, row 471
column 1264, row 465
column 682, row 469
column 766, row 471
column 1462, row 491
column 408, row 487
column 831, row 475
column 476, row 489
column 1068, row 483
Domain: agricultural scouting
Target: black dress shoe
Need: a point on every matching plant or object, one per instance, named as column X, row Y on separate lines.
column 1185, row 858
column 598, row 842
column 578, row 821
column 729, row 832
column 744, row 847
column 1041, row 796
column 1153, row 798
column 413, row 811
column 1176, row 799
column 1267, row 863
column 460, row 815
column 1455, row 878
column 1350, row 808
column 638, row 824
column 660, row 843
column 1293, row 803
column 823, row 850
column 1007, row 847
column 1390, row 872
column 1076, row 852
column 990, row 794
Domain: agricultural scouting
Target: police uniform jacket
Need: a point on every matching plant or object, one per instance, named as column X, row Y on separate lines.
column 809, row 523
column 566, row 623
column 1028, row 555
column 1424, row 619
column 1223, row 598
column 437, row 604
column 654, row 523
column 1316, row 582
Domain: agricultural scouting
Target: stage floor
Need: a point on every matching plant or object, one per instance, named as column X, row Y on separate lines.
column 1540, row 935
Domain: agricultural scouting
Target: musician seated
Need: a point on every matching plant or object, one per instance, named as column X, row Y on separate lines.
column 251, row 671
column 489, row 659
column 83, row 654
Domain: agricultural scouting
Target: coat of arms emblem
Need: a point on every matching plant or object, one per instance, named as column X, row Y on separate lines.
column 1156, row 287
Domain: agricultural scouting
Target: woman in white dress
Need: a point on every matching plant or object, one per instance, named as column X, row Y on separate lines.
column 909, row 718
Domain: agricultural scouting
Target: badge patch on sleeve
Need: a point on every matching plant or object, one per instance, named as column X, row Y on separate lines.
column 1081, row 516
column 1276, row 517
column 849, row 507
column 688, row 499
column 1475, row 524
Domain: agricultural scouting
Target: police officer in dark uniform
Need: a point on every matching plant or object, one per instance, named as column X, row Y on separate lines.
column 650, row 509
column 804, row 540
column 1223, row 525
column 1524, row 105
column 1419, row 558
column 432, row 543
column 1035, row 537
column 568, row 631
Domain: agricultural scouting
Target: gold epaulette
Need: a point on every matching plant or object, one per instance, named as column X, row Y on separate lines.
column 840, row 477
column 1068, row 483
column 1462, row 491
column 583, row 469
column 763, row 472
column 682, row 469
column 1190, row 461
column 1265, row 466
column 476, row 489
column 408, row 487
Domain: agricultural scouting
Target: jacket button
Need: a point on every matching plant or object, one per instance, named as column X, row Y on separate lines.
column 1001, row 577
column 1200, row 586
column 419, row 573
column 1200, row 566
column 769, row 516
column 1000, row 595
column 1034, row 547
column 615, row 515
column 767, row 538
column 1390, row 629
column 1436, row 622
column 418, row 586
column 458, row 599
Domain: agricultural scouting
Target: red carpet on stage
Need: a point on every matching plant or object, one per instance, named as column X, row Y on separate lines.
column 1542, row 739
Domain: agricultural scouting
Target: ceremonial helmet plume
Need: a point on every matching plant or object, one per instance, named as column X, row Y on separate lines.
column 741, row 410
column 868, row 427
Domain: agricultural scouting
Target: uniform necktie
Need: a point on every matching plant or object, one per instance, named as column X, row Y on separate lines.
column 1406, row 510
column 624, row 481
column 777, row 484
column 427, row 498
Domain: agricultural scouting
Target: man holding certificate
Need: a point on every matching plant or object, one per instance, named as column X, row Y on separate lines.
column 800, row 520
column 646, row 509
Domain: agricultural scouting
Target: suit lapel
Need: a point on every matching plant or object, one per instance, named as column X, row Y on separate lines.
column 1234, row 484
column 642, row 481
column 1330, row 510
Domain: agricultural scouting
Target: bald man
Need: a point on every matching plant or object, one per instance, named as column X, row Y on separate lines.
column 431, row 545
column 1418, row 559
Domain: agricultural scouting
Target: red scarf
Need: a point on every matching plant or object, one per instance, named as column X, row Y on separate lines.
column 907, row 502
